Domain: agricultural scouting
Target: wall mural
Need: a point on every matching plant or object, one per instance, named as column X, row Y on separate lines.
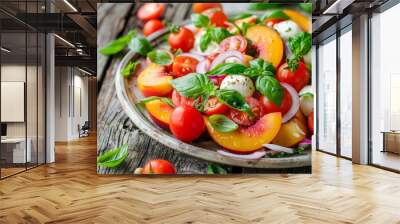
column 210, row 88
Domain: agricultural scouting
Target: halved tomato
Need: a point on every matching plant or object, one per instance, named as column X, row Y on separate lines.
column 213, row 106
column 217, row 17
column 184, row 65
column 180, row 100
column 200, row 7
column 151, row 11
column 243, row 118
column 238, row 43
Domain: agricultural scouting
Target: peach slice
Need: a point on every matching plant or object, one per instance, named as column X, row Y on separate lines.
column 154, row 81
column 249, row 139
column 303, row 21
column 268, row 42
column 160, row 112
column 292, row 132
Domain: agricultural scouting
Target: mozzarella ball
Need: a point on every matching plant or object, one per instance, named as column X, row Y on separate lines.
column 287, row 29
column 243, row 84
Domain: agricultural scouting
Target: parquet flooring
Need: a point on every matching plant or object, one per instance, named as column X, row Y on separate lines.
column 70, row 191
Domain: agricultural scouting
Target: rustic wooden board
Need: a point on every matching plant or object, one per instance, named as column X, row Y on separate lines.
column 114, row 127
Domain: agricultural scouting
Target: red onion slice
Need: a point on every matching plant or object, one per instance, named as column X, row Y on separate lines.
column 205, row 54
column 252, row 156
column 305, row 143
column 295, row 103
column 203, row 66
column 279, row 148
column 194, row 55
column 227, row 54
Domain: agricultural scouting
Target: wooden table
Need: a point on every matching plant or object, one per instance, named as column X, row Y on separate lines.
column 114, row 127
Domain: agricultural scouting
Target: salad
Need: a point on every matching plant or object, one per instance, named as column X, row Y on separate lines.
column 243, row 81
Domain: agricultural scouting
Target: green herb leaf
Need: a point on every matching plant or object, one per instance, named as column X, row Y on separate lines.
column 271, row 88
column 222, row 124
column 263, row 6
column 205, row 40
column 113, row 158
column 117, row 45
column 193, row 85
column 299, row 45
column 296, row 151
column 275, row 14
column 200, row 20
column 129, row 68
column 262, row 65
column 159, row 57
column 163, row 99
column 140, row 45
column 233, row 99
column 215, row 169
column 219, row 34
column 241, row 16
column 307, row 7
column 227, row 68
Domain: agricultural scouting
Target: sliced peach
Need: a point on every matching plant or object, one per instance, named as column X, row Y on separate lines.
column 249, row 139
column 160, row 112
column 303, row 21
column 292, row 132
column 154, row 81
column 268, row 42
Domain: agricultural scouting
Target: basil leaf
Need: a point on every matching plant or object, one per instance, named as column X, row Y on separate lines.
column 113, row 158
column 117, row 45
column 275, row 14
column 160, row 57
column 233, row 99
column 215, row 169
column 227, row 68
column 263, row 6
column 163, row 99
column 200, row 20
column 241, row 16
column 129, row 68
column 205, row 40
column 193, row 85
column 140, row 45
column 307, row 7
column 271, row 88
column 259, row 67
column 300, row 44
column 222, row 124
column 219, row 34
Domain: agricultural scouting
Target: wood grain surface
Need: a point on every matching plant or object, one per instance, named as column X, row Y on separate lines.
column 70, row 191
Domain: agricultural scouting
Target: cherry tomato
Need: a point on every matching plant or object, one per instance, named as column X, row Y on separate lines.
column 183, row 39
column 218, row 80
column 272, row 22
column 151, row 11
column 238, row 43
column 184, row 65
column 310, row 122
column 242, row 118
column 200, row 7
column 267, row 106
column 298, row 79
column 152, row 26
column 186, row 123
column 158, row 166
column 213, row 106
column 218, row 19
column 180, row 100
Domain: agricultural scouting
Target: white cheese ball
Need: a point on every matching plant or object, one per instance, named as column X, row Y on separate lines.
column 307, row 57
column 287, row 29
column 243, row 84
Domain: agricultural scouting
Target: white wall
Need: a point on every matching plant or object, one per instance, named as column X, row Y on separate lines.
column 70, row 84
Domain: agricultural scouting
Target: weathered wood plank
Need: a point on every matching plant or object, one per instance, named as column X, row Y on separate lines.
column 115, row 128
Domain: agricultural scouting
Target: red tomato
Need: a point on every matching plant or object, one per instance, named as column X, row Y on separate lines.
column 184, row 65
column 152, row 26
column 237, row 43
column 242, row 118
column 186, row 123
column 218, row 19
column 183, row 39
column 158, row 166
column 180, row 100
column 151, row 11
column 272, row 22
column 298, row 79
column 200, row 7
column 310, row 122
column 268, row 106
column 213, row 106
column 218, row 80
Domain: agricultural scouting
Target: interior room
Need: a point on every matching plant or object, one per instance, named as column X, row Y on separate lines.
column 59, row 95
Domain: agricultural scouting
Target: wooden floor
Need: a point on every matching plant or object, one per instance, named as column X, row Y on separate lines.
column 70, row 191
